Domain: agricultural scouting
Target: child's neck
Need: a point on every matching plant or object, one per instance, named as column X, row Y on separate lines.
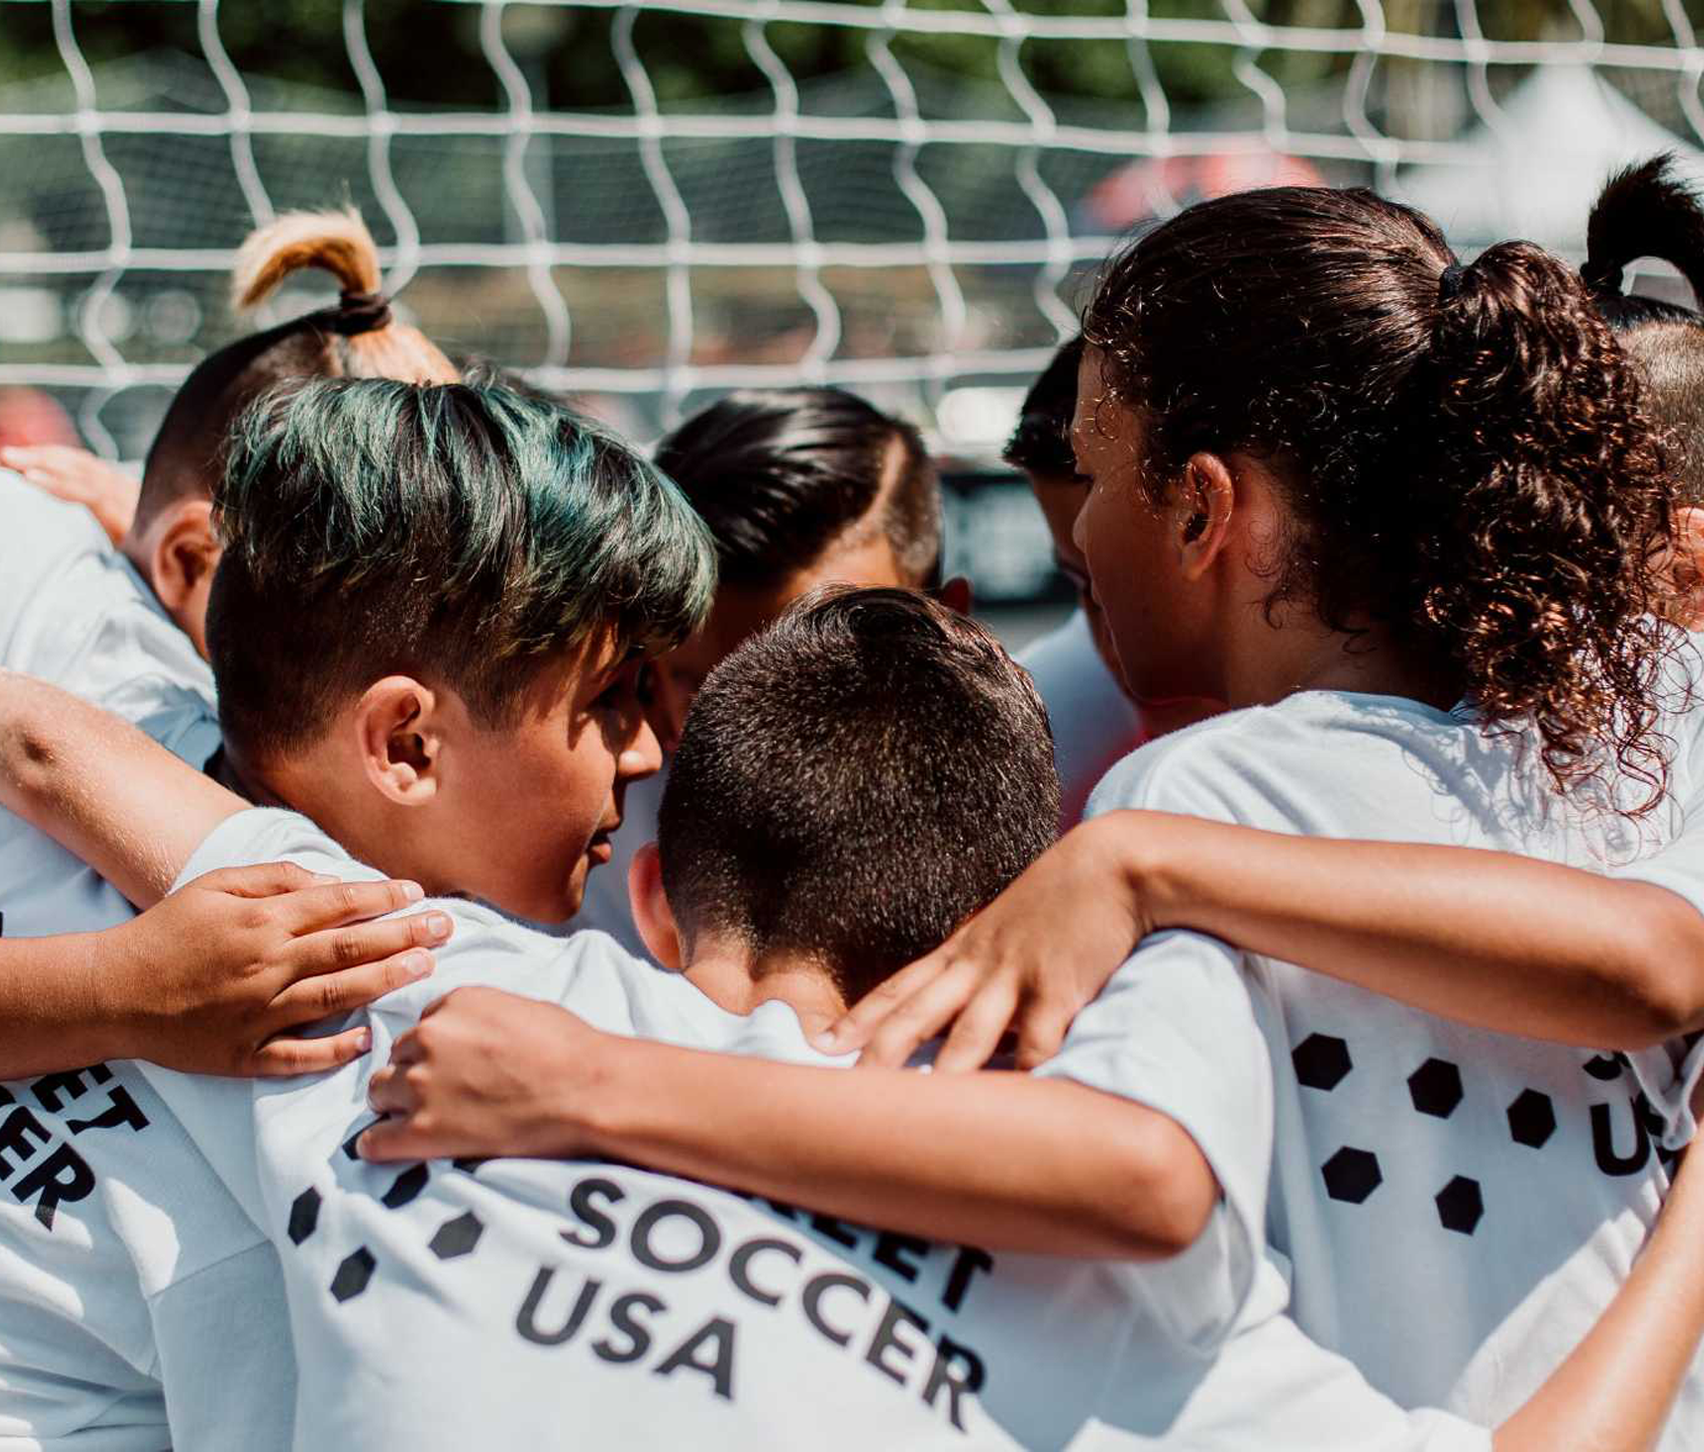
column 732, row 979
column 1274, row 663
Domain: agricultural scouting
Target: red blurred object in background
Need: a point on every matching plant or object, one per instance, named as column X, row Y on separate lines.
column 28, row 416
column 1148, row 190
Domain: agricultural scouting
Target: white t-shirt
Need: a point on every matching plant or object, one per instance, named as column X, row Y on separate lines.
column 571, row 1305
column 128, row 1275
column 1679, row 866
column 74, row 611
column 1457, row 1206
column 1094, row 723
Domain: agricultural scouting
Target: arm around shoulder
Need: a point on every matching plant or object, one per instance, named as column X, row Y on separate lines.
column 102, row 789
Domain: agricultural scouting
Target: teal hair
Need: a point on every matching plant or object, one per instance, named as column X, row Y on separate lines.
column 465, row 531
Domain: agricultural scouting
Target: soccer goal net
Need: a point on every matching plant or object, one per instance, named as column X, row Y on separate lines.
column 643, row 205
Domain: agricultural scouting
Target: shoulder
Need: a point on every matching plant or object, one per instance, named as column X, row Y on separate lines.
column 47, row 549
column 269, row 834
column 1317, row 761
column 36, row 519
column 1161, row 774
column 136, row 661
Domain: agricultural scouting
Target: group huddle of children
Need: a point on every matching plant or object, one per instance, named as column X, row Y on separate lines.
column 1342, row 1058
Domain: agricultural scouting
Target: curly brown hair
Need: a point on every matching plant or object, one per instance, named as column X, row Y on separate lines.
column 1464, row 450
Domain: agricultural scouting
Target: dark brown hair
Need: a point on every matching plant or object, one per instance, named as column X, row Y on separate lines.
column 853, row 782
column 1041, row 443
column 1464, row 449
column 782, row 474
column 461, row 533
column 359, row 338
column 1647, row 211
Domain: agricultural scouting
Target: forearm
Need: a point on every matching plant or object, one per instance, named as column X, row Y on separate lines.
column 1485, row 938
column 1000, row 1160
column 102, row 789
column 53, row 1016
column 1613, row 1394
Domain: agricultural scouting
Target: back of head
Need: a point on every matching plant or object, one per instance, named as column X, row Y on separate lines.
column 359, row 338
column 783, row 475
column 1462, row 449
column 1647, row 211
column 853, row 782
column 1041, row 443
column 460, row 534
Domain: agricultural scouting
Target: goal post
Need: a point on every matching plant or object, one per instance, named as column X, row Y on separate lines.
column 910, row 213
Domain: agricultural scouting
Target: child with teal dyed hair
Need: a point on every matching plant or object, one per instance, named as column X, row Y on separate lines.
column 425, row 630
column 430, row 621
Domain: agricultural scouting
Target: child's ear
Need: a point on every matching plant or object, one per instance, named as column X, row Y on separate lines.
column 652, row 914
column 1203, row 512
column 185, row 552
column 400, row 739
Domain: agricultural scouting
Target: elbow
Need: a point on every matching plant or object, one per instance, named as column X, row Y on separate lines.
column 1662, row 973
column 30, row 762
column 1164, row 1196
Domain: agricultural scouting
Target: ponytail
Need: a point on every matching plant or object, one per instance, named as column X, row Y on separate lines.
column 1647, row 211
column 1542, row 506
column 1644, row 211
column 358, row 338
column 365, row 339
column 1463, row 452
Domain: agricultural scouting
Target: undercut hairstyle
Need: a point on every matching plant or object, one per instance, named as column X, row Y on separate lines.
column 1464, row 450
column 461, row 534
column 783, row 475
column 358, row 338
column 1041, row 443
column 1647, row 211
column 853, row 782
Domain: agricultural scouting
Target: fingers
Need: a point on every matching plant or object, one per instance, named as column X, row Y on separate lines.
column 399, row 1139
column 281, row 1058
column 330, row 906
column 44, row 464
column 329, row 993
column 853, row 1030
column 389, row 1091
column 921, row 1016
column 334, row 949
column 406, row 1048
column 1041, row 1030
column 977, row 1032
column 265, row 879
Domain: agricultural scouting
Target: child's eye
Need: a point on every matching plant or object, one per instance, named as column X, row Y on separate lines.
column 622, row 692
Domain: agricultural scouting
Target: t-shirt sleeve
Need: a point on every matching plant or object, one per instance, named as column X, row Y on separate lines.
column 225, row 1359
column 265, row 834
column 1175, row 1031
column 1678, row 867
column 218, row 1114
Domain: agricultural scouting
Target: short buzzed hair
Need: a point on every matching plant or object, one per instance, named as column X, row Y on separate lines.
column 1670, row 355
column 783, row 474
column 457, row 532
column 853, row 782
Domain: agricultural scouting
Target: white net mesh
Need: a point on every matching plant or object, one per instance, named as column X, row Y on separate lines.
column 910, row 223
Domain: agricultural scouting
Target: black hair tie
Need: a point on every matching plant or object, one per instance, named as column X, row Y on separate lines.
column 360, row 312
column 1602, row 278
column 1451, row 281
